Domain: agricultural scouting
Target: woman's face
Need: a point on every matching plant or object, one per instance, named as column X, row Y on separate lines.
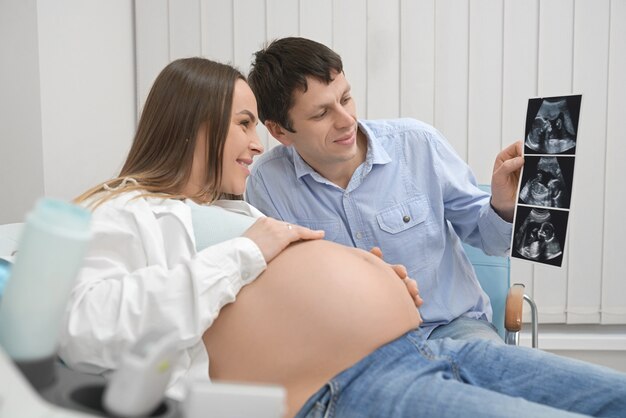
column 242, row 144
column 242, row 141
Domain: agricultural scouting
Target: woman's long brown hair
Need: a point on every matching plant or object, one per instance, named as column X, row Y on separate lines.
column 187, row 93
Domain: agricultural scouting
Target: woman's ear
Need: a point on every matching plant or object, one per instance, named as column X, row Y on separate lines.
column 278, row 132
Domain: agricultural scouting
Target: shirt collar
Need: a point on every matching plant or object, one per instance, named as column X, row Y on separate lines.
column 376, row 154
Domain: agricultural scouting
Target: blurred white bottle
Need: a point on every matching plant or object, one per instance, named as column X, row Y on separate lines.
column 50, row 252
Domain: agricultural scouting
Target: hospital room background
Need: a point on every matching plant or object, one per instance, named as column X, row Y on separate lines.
column 74, row 75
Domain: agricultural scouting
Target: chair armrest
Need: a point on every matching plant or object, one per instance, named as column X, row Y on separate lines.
column 513, row 309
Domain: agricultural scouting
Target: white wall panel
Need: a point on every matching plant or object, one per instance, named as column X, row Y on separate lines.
column 216, row 22
column 350, row 34
column 383, row 59
column 614, row 260
column 451, row 71
column 283, row 18
column 21, row 150
column 249, row 37
column 249, row 31
column 519, row 83
column 316, row 20
column 185, row 33
column 87, row 92
column 152, row 44
column 590, row 75
column 556, row 29
column 485, row 86
column 417, row 59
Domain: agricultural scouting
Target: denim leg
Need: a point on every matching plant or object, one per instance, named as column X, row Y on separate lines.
column 414, row 377
column 463, row 328
column 542, row 378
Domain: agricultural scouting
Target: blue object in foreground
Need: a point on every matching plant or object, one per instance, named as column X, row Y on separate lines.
column 5, row 271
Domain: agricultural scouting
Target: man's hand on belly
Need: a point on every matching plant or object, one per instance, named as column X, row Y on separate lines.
column 411, row 285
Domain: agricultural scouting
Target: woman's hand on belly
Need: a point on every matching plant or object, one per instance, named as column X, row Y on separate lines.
column 273, row 236
column 400, row 270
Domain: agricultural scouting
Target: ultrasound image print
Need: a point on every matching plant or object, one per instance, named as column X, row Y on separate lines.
column 552, row 124
column 544, row 183
column 540, row 235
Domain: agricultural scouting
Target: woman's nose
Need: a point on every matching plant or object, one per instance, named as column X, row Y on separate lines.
column 255, row 144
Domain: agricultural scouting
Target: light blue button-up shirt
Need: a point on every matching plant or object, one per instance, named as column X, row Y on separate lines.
column 412, row 196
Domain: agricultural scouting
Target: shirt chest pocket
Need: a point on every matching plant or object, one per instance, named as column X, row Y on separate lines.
column 404, row 215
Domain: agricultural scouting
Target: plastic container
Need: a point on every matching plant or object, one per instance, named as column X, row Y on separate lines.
column 50, row 252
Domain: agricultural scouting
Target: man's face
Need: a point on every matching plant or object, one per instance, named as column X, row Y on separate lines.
column 324, row 118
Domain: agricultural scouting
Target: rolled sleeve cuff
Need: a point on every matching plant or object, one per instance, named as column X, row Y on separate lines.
column 240, row 259
column 495, row 230
column 255, row 263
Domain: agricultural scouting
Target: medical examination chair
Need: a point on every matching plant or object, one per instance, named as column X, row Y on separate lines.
column 494, row 275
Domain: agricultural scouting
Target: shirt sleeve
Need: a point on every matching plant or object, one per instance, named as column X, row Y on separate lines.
column 467, row 207
column 128, row 286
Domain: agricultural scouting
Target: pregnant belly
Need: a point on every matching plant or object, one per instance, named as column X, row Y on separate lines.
column 317, row 309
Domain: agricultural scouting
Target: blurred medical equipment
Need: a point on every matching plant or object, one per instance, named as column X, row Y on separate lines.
column 49, row 255
column 137, row 387
column 34, row 382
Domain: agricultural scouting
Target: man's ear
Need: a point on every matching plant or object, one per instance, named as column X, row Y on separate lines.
column 278, row 132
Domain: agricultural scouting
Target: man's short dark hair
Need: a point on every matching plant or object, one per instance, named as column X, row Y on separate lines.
column 282, row 68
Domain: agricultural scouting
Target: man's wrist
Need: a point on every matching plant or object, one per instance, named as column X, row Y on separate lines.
column 504, row 214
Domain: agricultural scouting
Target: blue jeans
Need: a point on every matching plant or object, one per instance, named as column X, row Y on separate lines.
column 464, row 328
column 416, row 377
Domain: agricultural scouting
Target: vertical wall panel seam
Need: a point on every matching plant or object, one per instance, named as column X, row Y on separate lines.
column 434, row 63
column 367, row 50
column 169, row 33
column 537, row 74
column 502, row 76
column 400, row 112
column 606, row 153
column 503, row 2
column 300, row 17
column 266, row 21
column 200, row 26
column 400, row 58
column 567, row 273
column 467, row 80
column 332, row 26
column 135, row 63
column 233, row 31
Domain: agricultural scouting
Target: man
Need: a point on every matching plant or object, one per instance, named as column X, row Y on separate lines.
column 393, row 184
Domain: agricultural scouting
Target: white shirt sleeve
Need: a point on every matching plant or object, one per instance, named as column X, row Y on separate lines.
column 142, row 274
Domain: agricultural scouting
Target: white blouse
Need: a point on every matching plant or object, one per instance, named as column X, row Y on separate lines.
column 142, row 273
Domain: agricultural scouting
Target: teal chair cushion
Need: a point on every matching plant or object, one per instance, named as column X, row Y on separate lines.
column 494, row 276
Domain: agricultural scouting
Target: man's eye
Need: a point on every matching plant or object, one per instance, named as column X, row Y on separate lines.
column 346, row 100
column 320, row 115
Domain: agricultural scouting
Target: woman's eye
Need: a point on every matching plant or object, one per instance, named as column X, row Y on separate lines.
column 245, row 123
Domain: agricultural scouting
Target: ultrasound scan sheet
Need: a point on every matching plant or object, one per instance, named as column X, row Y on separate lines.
column 545, row 187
